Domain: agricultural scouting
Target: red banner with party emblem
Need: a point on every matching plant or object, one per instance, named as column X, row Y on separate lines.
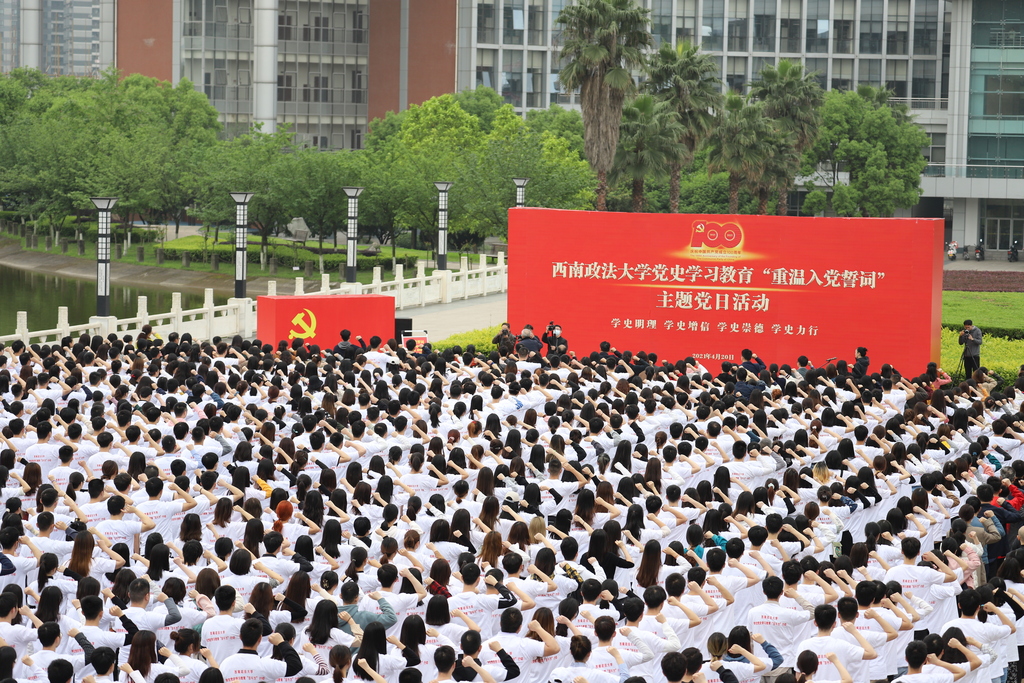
column 320, row 319
column 709, row 286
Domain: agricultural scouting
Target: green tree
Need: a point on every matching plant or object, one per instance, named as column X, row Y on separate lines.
column 777, row 165
column 793, row 99
column 558, row 177
column 737, row 146
column 483, row 103
column 689, row 80
column 316, row 191
column 603, row 41
column 648, row 142
column 878, row 150
column 560, row 122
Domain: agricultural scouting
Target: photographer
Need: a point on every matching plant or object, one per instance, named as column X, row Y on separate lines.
column 557, row 344
column 970, row 339
column 505, row 336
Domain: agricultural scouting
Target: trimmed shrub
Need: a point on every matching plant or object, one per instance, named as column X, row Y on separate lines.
column 481, row 339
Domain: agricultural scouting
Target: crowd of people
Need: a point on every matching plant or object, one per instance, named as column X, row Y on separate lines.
column 236, row 511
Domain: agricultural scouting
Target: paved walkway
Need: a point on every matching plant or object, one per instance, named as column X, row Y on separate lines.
column 443, row 320
column 994, row 261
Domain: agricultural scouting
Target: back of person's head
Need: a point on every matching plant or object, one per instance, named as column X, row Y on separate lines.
column 580, row 648
column 511, row 620
column 444, row 658
column 470, row 642
column 674, row 667
column 916, row 654
column 103, row 660
column 48, row 633
column 138, row 590
column 224, row 598
column 970, row 601
column 604, row 628
column 654, row 596
column 825, row 617
column 60, row 671
column 250, row 632
column 349, row 592
column 772, row 587
column 911, row 547
column 847, row 608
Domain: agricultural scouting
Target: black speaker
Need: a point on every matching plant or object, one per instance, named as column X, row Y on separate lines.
column 402, row 326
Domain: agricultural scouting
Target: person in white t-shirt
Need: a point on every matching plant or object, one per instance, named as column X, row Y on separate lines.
column 247, row 666
column 927, row 668
column 825, row 642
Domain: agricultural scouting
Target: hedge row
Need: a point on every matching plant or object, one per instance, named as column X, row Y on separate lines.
column 288, row 258
column 481, row 339
column 1013, row 334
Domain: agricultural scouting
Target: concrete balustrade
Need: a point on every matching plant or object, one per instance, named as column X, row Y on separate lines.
column 240, row 316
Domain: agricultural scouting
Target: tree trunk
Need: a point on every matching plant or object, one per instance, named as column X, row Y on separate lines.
column 734, row 193
column 638, row 195
column 675, row 170
column 783, row 201
column 762, row 202
column 602, row 190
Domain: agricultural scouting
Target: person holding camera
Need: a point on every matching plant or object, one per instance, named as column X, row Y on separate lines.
column 970, row 339
column 505, row 336
column 557, row 344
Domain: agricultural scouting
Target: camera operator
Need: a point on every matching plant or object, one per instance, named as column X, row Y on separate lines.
column 505, row 336
column 557, row 344
column 970, row 339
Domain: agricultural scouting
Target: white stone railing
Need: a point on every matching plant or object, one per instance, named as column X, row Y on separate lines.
column 239, row 316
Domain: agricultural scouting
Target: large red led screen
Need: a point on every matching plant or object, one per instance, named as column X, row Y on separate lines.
column 708, row 286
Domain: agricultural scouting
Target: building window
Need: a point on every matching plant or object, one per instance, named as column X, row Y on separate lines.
column 686, row 21
column 1004, row 96
column 357, row 138
column 285, row 27
column 318, row 30
column 320, row 141
column 714, row 25
column 789, row 26
column 926, row 27
column 760, row 63
column 896, row 77
column 870, row 73
column 556, row 94
column 736, row 73
column 817, row 25
column 485, row 68
column 535, row 79
column 923, row 86
column 661, row 21
column 285, row 83
column 935, row 153
column 358, row 26
column 320, row 92
column 818, row 68
column 1003, row 222
column 764, row 25
column 842, row 74
column 513, row 22
column 358, row 87
column 842, row 26
column 512, row 77
column 871, row 26
column 485, row 26
column 738, row 10
column 997, row 24
column 897, row 36
column 536, row 22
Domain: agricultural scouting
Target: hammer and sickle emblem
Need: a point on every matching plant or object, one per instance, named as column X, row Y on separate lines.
column 308, row 328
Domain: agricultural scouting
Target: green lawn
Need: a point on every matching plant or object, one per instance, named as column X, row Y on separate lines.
column 283, row 273
column 986, row 309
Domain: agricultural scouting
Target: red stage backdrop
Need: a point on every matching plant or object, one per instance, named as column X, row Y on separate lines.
column 709, row 286
column 320, row 319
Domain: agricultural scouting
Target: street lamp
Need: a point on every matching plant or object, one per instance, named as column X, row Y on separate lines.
column 520, row 191
column 241, row 240
column 104, row 204
column 353, row 231
column 442, row 223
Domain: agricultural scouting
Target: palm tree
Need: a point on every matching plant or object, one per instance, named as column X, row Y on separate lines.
column 776, row 167
column 738, row 146
column 649, row 140
column 603, row 40
column 793, row 99
column 689, row 80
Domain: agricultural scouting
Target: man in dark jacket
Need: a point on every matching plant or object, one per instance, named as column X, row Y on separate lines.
column 529, row 341
column 751, row 363
column 1008, row 519
column 347, row 349
column 860, row 368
